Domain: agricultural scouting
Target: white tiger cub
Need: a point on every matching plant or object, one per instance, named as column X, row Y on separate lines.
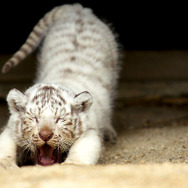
column 65, row 115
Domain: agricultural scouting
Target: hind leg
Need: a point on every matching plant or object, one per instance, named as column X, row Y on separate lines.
column 107, row 131
column 110, row 134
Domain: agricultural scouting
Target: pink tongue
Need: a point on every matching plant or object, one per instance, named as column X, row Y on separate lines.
column 46, row 155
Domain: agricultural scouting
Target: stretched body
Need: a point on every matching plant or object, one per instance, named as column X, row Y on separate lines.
column 65, row 115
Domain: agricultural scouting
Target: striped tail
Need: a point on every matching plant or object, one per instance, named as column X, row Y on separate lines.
column 35, row 37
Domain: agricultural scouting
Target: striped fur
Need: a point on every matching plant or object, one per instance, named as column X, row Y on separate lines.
column 74, row 89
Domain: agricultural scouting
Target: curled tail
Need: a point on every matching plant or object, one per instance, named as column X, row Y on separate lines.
column 35, row 37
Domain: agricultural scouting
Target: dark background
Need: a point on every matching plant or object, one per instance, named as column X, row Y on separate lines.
column 141, row 26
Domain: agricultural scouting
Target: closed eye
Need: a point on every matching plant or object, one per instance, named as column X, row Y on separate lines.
column 34, row 119
column 68, row 123
column 59, row 119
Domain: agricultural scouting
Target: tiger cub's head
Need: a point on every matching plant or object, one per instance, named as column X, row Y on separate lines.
column 46, row 120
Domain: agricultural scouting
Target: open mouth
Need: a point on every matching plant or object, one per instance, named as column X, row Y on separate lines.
column 46, row 155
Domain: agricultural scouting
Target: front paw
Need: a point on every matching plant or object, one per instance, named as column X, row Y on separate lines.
column 7, row 164
column 71, row 162
column 76, row 161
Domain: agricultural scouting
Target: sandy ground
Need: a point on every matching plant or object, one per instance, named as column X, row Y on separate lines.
column 149, row 145
column 120, row 176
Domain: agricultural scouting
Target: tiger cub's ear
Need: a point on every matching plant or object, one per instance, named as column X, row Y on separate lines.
column 82, row 101
column 16, row 101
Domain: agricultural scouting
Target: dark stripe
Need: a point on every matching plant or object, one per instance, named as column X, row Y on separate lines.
column 37, row 33
column 18, row 57
column 47, row 88
column 45, row 21
column 80, row 127
column 37, row 96
column 11, row 63
column 91, row 38
column 80, row 60
column 31, row 111
column 61, row 98
column 69, row 123
column 24, row 50
column 7, row 66
column 68, row 133
column 56, row 111
column 39, row 109
column 30, row 44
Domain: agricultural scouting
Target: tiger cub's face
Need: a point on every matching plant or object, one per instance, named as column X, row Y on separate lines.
column 46, row 120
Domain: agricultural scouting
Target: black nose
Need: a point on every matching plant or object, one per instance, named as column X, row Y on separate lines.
column 45, row 134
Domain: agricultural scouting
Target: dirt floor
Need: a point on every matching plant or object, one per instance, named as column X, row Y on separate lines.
column 151, row 118
column 149, row 145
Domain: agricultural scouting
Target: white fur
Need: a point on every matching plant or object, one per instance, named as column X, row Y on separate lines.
column 86, row 150
column 79, row 54
column 7, row 149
